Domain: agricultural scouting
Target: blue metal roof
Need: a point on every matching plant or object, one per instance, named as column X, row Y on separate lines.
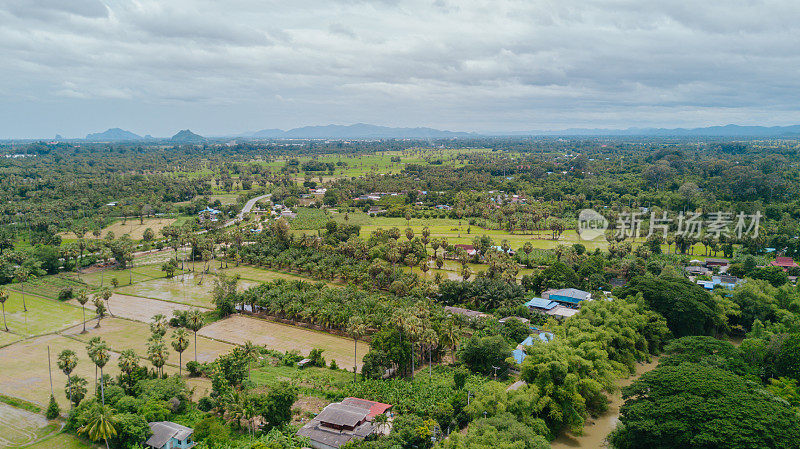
column 543, row 337
column 571, row 293
column 519, row 355
column 541, row 303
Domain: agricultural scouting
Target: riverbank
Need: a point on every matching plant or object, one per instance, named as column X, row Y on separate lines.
column 596, row 430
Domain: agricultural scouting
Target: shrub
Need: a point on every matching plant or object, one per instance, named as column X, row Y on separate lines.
column 194, row 368
column 65, row 294
column 334, row 366
column 316, row 358
column 206, row 404
column 53, row 410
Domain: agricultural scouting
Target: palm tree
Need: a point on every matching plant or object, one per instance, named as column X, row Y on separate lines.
column 21, row 274
column 83, row 298
column 91, row 347
column 180, row 341
column 356, row 328
column 100, row 310
column 128, row 361
column 158, row 326
column 67, row 361
column 158, row 354
column 194, row 322
column 100, row 357
column 101, row 426
column 3, row 299
column 105, row 294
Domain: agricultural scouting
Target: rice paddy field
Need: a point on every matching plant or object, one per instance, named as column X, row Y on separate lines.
column 58, row 325
column 20, row 427
column 378, row 163
column 43, row 315
column 239, row 329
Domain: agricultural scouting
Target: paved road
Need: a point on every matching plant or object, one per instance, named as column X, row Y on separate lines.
column 248, row 206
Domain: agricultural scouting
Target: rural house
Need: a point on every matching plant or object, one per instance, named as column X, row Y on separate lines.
column 168, row 435
column 784, row 262
column 341, row 422
column 568, row 296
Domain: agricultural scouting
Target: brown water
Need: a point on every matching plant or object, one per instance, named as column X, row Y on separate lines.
column 597, row 429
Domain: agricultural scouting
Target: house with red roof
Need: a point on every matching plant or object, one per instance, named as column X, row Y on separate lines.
column 784, row 262
column 341, row 422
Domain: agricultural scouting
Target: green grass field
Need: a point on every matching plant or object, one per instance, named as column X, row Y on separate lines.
column 248, row 273
column 61, row 441
column 43, row 315
column 378, row 162
column 311, row 380
column 49, row 286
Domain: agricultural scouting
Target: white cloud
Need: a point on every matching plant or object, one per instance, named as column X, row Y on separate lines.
column 468, row 64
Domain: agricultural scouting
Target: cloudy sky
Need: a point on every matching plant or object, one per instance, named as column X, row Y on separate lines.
column 219, row 67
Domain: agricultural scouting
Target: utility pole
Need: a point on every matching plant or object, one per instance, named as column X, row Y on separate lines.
column 50, row 370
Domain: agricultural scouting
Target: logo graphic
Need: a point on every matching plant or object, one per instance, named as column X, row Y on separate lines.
column 591, row 225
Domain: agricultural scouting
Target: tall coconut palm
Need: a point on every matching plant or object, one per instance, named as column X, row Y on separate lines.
column 100, row 356
column 101, row 426
column 67, row 361
column 22, row 274
column 194, row 322
column 180, row 341
column 356, row 328
column 83, row 298
column 3, row 299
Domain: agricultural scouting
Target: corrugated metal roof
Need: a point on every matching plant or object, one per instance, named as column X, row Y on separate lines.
column 541, row 303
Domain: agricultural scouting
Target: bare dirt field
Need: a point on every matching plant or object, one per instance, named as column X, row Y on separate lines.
column 23, row 368
column 131, row 227
column 19, row 427
column 239, row 329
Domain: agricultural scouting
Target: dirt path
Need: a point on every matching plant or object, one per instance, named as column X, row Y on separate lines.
column 595, row 431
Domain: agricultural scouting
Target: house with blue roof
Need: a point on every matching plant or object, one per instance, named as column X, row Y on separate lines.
column 540, row 305
column 568, row 296
column 727, row 282
column 542, row 337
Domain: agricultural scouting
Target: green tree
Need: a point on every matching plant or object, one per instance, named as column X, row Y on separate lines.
column 697, row 406
column 76, row 387
column 101, row 426
column 53, row 410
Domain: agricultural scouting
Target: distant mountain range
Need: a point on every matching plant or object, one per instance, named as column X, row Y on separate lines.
column 114, row 134
column 366, row 131
column 709, row 131
column 357, row 131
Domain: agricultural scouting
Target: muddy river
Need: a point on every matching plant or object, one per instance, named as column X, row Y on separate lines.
column 597, row 429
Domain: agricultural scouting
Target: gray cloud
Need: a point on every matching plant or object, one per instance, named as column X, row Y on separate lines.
column 469, row 65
